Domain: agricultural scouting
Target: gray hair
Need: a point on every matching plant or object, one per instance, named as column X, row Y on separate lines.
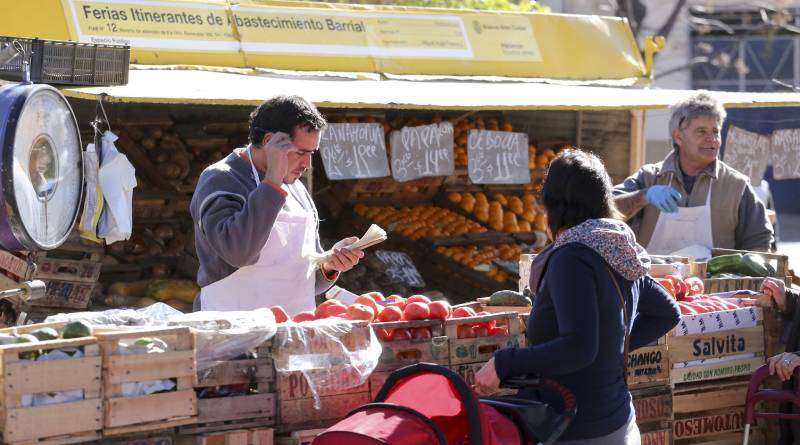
column 701, row 104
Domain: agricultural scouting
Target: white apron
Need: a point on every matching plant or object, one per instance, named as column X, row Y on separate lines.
column 283, row 274
column 688, row 227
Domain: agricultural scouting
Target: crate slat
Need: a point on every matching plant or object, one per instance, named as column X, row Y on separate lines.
column 30, row 377
column 131, row 368
column 124, row 411
column 53, row 420
column 223, row 409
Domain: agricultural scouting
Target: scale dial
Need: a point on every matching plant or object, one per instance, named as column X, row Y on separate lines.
column 42, row 172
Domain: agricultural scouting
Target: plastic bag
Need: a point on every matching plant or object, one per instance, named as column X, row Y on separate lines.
column 117, row 181
column 218, row 335
column 226, row 335
column 93, row 200
column 145, row 387
column 332, row 354
column 156, row 314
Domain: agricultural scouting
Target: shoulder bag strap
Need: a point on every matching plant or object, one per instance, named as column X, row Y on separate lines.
column 627, row 323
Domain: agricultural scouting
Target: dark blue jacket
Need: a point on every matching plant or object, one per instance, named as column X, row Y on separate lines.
column 576, row 335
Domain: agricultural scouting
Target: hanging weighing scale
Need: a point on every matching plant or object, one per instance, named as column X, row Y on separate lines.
column 41, row 167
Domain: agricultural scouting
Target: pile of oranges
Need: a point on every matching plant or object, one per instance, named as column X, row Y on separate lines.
column 461, row 135
column 504, row 213
column 420, row 221
column 474, row 256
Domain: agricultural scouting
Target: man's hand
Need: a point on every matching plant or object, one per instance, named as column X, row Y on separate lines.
column 783, row 365
column 276, row 147
column 343, row 259
column 664, row 197
column 775, row 289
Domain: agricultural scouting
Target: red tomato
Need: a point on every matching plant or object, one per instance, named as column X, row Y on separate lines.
column 401, row 335
column 303, row 316
column 686, row 309
column 366, row 300
column 421, row 333
column 377, row 296
column 498, row 331
column 390, row 313
column 322, row 310
column 480, row 330
column 395, row 300
column 461, row 312
column 357, row 311
column 666, row 283
column 680, row 286
column 440, row 309
column 489, row 324
column 280, row 314
column 466, row 331
column 695, row 286
column 416, row 311
column 384, row 334
column 418, row 298
column 336, row 310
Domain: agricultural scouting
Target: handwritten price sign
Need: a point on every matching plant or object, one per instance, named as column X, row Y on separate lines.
column 498, row 157
column 352, row 151
column 422, row 151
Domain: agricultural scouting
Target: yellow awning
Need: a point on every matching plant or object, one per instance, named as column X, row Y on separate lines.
column 160, row 86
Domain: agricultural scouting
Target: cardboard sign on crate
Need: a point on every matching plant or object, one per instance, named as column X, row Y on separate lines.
column 152, row 412
column 22, row 421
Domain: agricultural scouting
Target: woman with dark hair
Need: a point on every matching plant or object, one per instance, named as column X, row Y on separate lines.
column 594, row 302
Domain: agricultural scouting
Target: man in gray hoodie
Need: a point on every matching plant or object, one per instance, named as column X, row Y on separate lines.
column 256, row 225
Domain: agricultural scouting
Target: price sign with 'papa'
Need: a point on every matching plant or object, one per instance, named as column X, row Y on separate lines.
column 422, row 151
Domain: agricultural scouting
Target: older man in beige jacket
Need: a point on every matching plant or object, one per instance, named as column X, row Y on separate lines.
column 692, row 201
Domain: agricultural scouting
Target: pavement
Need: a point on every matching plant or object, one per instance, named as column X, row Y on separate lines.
column 789, row 237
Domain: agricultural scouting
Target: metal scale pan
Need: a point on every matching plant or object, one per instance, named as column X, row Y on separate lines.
column 41, row 168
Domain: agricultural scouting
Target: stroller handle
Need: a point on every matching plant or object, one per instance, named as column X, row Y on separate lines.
column 755, row 395
column 570, row 404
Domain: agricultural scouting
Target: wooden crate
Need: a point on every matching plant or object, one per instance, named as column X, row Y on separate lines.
column 300, row 414
column 255, row 410
column 661, row 436
column 261, row 436
column 705, row 411
column 649, row 366
column 162, row 438
column 70, row 422
column 481, row 349
column 653, row 405
column 129, row 415
column 70, row 272
column 397, row 354
column 780, row 262
column 302, row 437
column 714, row 346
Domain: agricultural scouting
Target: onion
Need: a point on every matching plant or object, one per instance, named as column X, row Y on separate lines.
column 164, row 232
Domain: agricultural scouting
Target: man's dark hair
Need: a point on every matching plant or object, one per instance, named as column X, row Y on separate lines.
column 577, row 188
column 284, row 114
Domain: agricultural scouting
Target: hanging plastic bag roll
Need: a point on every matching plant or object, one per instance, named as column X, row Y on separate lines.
column 93, row 204
column 117, row 181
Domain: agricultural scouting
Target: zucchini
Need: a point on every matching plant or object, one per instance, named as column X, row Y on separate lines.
column 725, row 264
column 754, row 265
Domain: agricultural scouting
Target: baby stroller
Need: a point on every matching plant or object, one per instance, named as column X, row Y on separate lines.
column 755, row 394
column 426, row 404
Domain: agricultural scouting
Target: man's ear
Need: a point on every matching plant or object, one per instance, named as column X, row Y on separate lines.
column 677, row 137
column 266, row 138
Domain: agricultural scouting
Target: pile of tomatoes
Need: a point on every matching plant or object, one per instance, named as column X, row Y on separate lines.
column 375, row 308
column 689, row 295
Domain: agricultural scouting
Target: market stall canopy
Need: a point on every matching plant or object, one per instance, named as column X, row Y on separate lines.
column 318, row 36
column 226, row 88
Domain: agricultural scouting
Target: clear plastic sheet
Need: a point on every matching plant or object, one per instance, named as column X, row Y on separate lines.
column 332, row 354
column 226, row 335
column 219, row 335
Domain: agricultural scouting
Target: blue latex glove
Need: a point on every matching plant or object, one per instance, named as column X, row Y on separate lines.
column 664, row 197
